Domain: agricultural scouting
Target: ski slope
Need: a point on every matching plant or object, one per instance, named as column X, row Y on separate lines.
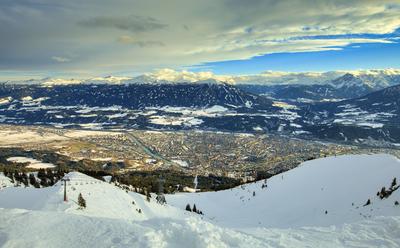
column 38, row 217
column 274, row 217
column 23, row 228
column 103, row 200
column 339, row 185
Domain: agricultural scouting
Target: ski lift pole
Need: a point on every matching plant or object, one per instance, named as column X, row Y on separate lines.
column 65, row 188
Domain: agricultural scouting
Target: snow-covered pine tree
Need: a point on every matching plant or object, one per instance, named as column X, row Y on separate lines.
column 81, row 201
column 25, row 179
column 33, row 181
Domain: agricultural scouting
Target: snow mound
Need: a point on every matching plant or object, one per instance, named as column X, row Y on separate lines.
column 321, row 192
column 5, row 181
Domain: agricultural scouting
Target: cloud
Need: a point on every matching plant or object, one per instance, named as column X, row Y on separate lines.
column 60, row 59
column 126, row 39
column 139, row 36
column 130, row 23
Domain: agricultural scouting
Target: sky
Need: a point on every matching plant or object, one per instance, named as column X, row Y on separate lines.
column 74, row 38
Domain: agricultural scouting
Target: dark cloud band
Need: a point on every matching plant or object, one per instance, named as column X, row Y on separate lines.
column 131, row 23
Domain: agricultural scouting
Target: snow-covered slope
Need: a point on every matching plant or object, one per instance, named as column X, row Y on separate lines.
column 32, row 217
column 97, row 194
column 52, row 229
column 339, row 185
column 39, row 218
column 22, row 228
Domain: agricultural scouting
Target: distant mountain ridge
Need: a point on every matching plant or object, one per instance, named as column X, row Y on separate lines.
column 301, row 86
column 321, row 111
column 379, row 78
column 138, row 95
column 347, row 86
column 373, row 116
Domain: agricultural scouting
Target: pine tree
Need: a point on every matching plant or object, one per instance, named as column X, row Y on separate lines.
column 49, row 173
column 41, row 174
column 81, row 201
column 367, row 203
column 25, row 179
column 161, row 199
column 188, row 208
column 194, row 208
column 394, row 182
column 51, row 181
column 43, row 182
column 148, row 196
column 383, row 193
column 32, row 181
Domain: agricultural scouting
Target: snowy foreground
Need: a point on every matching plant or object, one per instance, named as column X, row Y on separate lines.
column 289, row 212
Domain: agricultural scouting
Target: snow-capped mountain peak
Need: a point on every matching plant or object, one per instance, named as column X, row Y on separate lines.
column 373, row 79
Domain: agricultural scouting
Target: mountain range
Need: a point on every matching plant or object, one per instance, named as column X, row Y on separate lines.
column 373, row 78
column 354, row 107
column 375, row 115
column 345, row 86
column 302, row 86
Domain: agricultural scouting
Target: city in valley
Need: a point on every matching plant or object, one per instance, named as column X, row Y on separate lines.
column 242, row 156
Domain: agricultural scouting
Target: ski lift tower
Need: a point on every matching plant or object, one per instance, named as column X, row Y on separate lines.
column 160, row 196
column 65, row 180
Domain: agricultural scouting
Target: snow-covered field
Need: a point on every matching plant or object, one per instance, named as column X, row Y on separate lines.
column 15, row 137
column 352, row 115
column 12, row 136
column 289, row 212
column 32, row 163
